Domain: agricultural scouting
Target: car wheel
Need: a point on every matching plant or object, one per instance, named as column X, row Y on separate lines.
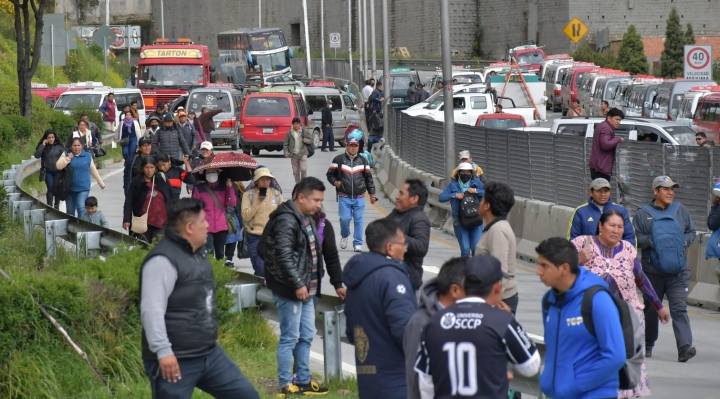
column 255, row 151
column 317, row 139
column 342, row 143
column 236, row 144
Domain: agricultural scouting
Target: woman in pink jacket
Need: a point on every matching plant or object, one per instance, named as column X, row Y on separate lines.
column 217, row 199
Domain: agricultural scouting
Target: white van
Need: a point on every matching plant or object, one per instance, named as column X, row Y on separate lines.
column 94, row 94
column 689, row 103
column 553, row 83
column 344, row 111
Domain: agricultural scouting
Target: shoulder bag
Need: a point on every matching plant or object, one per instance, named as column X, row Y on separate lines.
column 138, row 224
column 232, row 227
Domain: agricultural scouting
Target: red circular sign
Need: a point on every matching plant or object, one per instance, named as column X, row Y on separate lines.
column 701, row 56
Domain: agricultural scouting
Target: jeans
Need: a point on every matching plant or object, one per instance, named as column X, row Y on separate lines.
column 213, row 373
column 49, row 182
column 75, row 203
column 299, row 167
column 676, row 289
column 372, row 140
column 128, row 153
column 328, row 137
column 297, row 328
column 352, row 209
column 216, row 243
column 257, row 263
column 468, row 239
column 512, row 303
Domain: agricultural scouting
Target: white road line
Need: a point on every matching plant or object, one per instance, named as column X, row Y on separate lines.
column 347, row 367
column 431, row 269
column 111, row 174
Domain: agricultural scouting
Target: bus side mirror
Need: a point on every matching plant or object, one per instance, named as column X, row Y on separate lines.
column 674, row 112
column 633, row 135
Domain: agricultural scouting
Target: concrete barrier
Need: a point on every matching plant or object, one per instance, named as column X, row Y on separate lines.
column 534, row 221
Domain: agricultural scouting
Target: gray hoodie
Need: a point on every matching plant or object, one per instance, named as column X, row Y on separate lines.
column 429, row 305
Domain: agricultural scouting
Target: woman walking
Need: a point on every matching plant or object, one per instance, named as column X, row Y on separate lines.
column 261, row 198
column 232, row 240
column 616, row 261
column 128, row 134
column 48, row 151
column 83, row 132
column 83, row 167
column 217, row 199
column 148, row 193
column 463, row 184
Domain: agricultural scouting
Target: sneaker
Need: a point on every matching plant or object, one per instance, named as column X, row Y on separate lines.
column 687, row 354
column 343, row 243
column 358, row 248
column 289, row 390
column 229, row 263
column 648, row 352
column 313, row 388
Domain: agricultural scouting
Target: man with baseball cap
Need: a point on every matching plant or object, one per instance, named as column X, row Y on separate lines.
column 351, row 175
column 466, row 158
column 664, row 232
column 465, row 349
column 187, row 130
column 584, row 220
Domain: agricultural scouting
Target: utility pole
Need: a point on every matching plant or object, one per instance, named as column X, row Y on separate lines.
column 386, row 50
column 447, row 86
column 307, row 40
column 162, row 19
column 359, row 36
column 372, row 38
column 365, row 39
column 259, row 13
column 350, row 36
column 107, row 12
column 322, row 35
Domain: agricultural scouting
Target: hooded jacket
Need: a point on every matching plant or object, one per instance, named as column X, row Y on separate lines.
column 187, row 130
column 584, row 220
column 602, row 157
column 429, row 305
column 49, row 155
column 380, row 301
column 416, row 227
column 215, row 216
column 579, row 365
column 171, row 142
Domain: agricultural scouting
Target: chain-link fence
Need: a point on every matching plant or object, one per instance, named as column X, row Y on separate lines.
column 553, row 168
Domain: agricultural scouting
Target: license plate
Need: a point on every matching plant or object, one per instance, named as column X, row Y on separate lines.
column 268, row 130
column 397, row 100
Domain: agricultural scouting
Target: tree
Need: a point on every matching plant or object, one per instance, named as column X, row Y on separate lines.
column 586, row 54
column 689, row 34
column 671, row 60
column 28, row 47
column 631, row 57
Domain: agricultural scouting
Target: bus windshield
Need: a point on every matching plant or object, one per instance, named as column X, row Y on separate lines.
column 69, row 101
column 266, row 41
column 271, row 62
column 172, row 75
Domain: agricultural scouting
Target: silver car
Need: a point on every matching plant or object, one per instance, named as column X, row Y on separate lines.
column 226, row 123
column 344, row 111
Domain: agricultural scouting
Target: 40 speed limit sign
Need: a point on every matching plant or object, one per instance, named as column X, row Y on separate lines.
column 698, row 62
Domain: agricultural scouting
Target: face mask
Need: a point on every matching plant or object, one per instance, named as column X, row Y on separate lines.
column 166, row 127
column 211, row 177
column 465, row 178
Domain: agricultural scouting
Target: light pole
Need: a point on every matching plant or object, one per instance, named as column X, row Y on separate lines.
column 359, row 34
column 162, row 19
column 447, row 86
column 107, row 12
column 372, row 39
column 365, row 65
column 322, row 36
column 307, row 40
column 386, row 49
column 259, row 13
column 350, row 36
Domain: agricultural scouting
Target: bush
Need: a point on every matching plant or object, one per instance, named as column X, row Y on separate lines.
column 7, row 135
column 62, row 125
column 22, row 127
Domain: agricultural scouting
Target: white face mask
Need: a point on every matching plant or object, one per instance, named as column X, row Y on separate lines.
column 211, row 177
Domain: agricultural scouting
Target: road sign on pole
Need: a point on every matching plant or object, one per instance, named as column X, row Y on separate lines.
column 104, row 37
column 334, row 40
column 697, row 63
column 575, row 30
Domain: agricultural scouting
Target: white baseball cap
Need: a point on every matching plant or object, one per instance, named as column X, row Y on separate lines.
column 206, row 145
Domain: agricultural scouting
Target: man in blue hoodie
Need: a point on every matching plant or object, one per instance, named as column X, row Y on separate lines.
column 379, row 303
column 578, row 365
column 585, row 218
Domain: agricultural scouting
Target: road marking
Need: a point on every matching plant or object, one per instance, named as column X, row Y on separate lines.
column 111, row 174
column 431, row 269
column 347, row 367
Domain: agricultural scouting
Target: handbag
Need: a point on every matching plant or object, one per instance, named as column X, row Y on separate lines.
column 232, row 227
column 243, row 251
column 124, row 141
column 41, row 175
column 98, row 151
column 138, row 224
column 311, row 150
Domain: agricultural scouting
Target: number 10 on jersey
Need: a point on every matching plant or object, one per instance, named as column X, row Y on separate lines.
column 462, row 367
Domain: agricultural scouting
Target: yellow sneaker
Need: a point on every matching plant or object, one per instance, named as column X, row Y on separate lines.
column 313, row 388
column 289, row 390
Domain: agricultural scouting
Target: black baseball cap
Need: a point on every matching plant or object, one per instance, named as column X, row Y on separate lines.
column 160, row 105
column 168, row 118
column 144, row 140
column 485, row 270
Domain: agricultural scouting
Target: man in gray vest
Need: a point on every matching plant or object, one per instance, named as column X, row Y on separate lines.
column 179, row 318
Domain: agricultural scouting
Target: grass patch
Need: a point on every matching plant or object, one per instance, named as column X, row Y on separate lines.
column 33, row 182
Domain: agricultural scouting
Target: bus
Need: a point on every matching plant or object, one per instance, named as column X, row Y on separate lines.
column 247, row 52
column 170, row 68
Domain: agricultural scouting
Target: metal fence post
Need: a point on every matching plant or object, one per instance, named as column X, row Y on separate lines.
column 332, row 350
column 32, row 218
column 53, row 229
column 529, row 155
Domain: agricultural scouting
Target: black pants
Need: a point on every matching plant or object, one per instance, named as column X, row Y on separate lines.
column 594, row 174
column 151, row 233
column 328, row 138
column 230, row 250
column 216, row 243
column 675, row 288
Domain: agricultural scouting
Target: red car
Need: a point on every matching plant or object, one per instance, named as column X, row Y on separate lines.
column 501, row 121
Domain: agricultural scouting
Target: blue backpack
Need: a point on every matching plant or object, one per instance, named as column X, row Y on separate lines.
column 668, row 254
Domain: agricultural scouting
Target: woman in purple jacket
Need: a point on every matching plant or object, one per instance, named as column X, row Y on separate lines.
column 602, row 157
column 212, row 193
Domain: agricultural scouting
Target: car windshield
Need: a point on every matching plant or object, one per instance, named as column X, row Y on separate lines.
column 530, row 58
column 683, row 134
column 438, row 101
column 271, row 62
column 471, row 78
column 502, row 123
column 401, row 82
column 211, row 100
column 172, row 75
column 433, row 96
column 267, row 106
column 70, row 101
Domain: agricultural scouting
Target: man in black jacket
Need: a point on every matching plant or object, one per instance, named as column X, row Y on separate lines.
column 412, row 94
column 422, row 94
column 293, row 257
column 352, row 177
column 159, row 113
column 179, row 318
column 410, row 215
column 170, row 141
column 327, row 129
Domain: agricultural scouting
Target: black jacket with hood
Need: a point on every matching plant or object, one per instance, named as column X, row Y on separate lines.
column 416, row 227
column 413, row 332
column 49, row 155
column 288, row 260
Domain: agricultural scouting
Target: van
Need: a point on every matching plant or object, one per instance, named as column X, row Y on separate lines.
column 670, row 94
column 689, row 103
column 622, row 93
column 218, row 96
column 553, row 82
column 344, row 111
column 605, row 90
column 587, row 88
column 93, row 94
column 267, row 116
column 633, row 129
column 640, row 101
column 571, row 80
column 707, row 116
column 552, row 59
column 48, row 94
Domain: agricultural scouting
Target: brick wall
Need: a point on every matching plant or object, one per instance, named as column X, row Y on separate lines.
column 654, row 46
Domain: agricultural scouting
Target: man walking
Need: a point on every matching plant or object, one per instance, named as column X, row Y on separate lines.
column 368, row 89
column 422, row 94
column 664, row 234
column 108, row 110
column 435, row 295
column 187, row 130
column 498, row 238
column 327, row 128
column 295, row 147
column 352, row 178
column 292, row 259
column 207, row 122
column 159, row 113
column 170, row 141
column 409, row 213
column 602, row 158
column 584, row 220
column 379, row 303
column 568, row 342
column 412, row 94
column 179, row 319
column 465, row 349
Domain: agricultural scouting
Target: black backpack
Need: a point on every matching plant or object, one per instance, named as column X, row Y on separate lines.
column 63, row 183
column 469, row 212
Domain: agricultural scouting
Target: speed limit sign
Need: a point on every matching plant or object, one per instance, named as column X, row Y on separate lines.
column 698, row 62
